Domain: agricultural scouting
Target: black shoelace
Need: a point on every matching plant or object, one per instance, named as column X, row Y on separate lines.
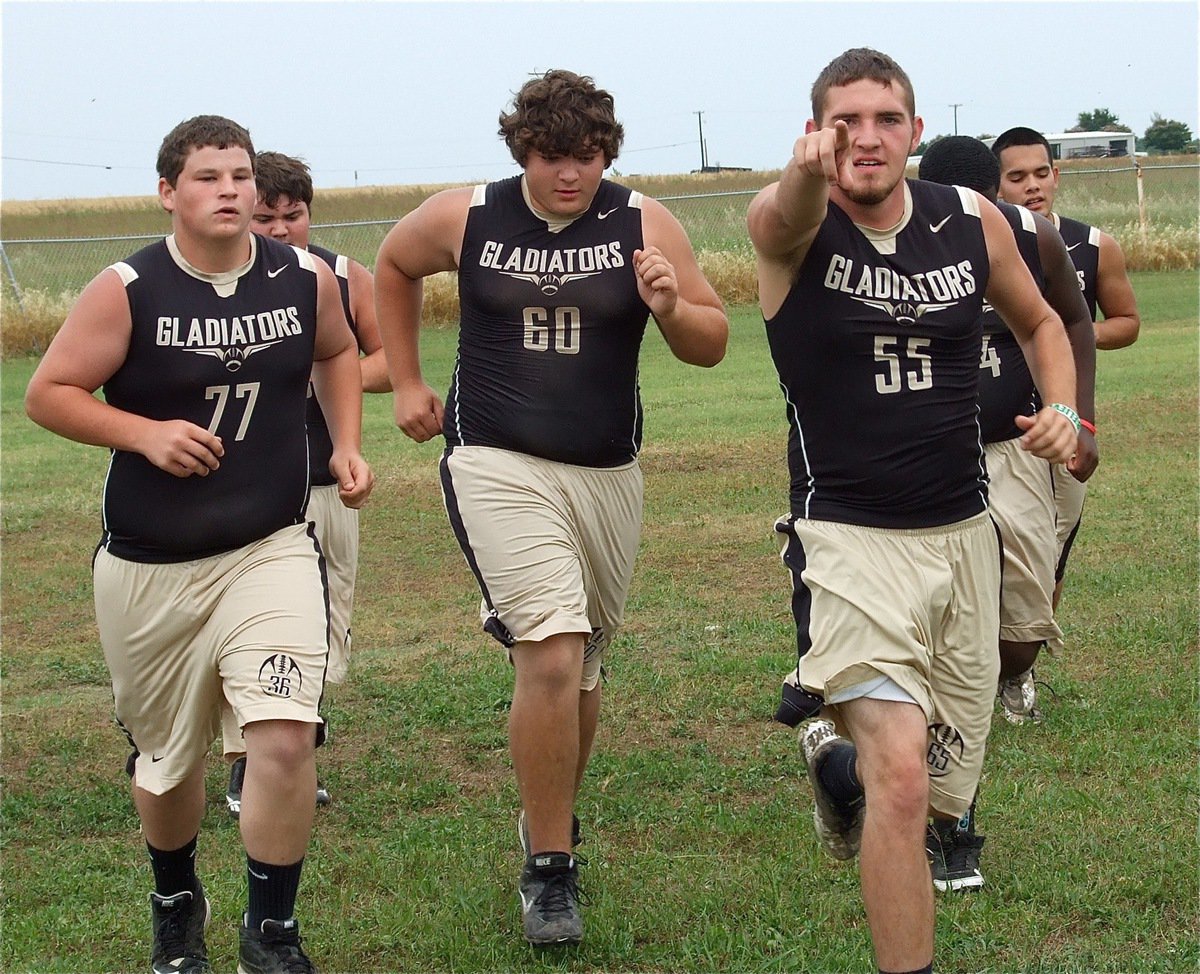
column 559, row 893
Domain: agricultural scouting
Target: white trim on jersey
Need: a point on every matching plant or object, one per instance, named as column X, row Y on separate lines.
column 635, row 199
column 307, row 261
column 1027, row 221
column 1094, row 236
column 127, row 274
column 811, row 485
column 479, row 195
column 224, row 282
column 970, row 200
column 341, row 266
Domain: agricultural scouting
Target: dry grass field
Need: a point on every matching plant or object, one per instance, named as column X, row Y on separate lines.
column 711, row 206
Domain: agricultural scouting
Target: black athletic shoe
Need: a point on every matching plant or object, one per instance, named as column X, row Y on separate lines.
column 797, row 705
column 523, row 832
column 179, row 923
column 274, row 949
column 233, row 794
column 953, row 858
column 550, row 899
column 839, row 825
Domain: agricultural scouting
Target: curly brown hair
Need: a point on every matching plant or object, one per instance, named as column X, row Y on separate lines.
column 561, row 113
column 278, row 175
column 196, row 133
column 858, row 64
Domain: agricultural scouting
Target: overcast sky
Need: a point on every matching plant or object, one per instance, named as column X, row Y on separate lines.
column 399, row 93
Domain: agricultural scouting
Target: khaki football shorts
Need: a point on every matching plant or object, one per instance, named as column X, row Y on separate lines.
column 919, row 607
column 337, row 532
column 249, row 626
column 1069, row 495
column 551, row 545
column 1021, row 500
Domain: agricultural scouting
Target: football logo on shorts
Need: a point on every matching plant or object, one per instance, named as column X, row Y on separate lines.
column 597, row 643
column 945, row 749
column 280, row 676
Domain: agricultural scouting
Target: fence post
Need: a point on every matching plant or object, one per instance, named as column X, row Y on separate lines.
column 12, row 277
column 1141, row 197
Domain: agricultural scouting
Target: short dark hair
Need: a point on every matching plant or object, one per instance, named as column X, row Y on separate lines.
column 858, row 64
column 561, row 113
column 196, row 133
column 1020, row 135
column 278, row 175
column 959, row 160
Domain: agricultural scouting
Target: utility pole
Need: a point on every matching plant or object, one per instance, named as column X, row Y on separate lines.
column 956, row 105
column 703, row 150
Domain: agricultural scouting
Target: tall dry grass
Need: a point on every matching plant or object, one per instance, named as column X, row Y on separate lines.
column 1101, row 192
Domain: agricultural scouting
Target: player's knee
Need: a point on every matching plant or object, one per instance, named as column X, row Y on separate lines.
column 900, row 789
column 283, row 745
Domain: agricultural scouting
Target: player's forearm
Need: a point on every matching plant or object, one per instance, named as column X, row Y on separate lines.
column 374, row 371
column 76, row 414
column 398, row 300
column 782, row 222
column 1118, row 331
column 1051, row 362
column 696, row 333
column 338, row 385
column 1083, row 356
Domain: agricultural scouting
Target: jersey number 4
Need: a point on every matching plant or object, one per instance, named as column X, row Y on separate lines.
column 247, row 391
column 891, row 352
column 989, row 358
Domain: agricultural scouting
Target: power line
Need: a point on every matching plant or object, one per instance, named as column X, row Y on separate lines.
column 85, row 165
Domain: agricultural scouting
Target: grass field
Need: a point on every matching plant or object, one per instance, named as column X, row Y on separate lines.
column 695, row 811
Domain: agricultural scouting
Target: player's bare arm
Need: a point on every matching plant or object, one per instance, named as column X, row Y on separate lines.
column 338, row 384
column 1012, row 292
column 784, row 218
column 373, row 364
column 1114, row 298
column 426, row 241
column 688, row 311
column 89, row 348
column 1064, row 296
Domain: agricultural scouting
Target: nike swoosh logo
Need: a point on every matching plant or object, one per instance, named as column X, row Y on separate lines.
column 935, row 228
column 277, row 271
column 155, row 758
column 1072, row 247
column 607, row 213
column 254, row 874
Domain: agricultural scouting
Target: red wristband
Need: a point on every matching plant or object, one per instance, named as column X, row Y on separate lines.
column 1089, row 426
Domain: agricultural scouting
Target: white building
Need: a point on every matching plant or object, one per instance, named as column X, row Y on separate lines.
column 1087, row 145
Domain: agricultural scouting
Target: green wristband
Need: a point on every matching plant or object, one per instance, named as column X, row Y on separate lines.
column 1069, row 413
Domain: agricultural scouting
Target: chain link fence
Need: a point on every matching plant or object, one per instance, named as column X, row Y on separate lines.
column 1150, row 209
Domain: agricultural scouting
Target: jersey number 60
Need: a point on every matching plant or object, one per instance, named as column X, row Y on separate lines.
column 565, row 330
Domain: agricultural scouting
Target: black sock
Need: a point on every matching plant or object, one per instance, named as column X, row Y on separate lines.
column 927, row 969
column 272, row 891
column 174, row 869
column 838, row 772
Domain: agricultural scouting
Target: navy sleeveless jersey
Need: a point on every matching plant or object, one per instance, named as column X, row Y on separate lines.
column 551, row 326
column 1083, row 244
column 1006, row 386
column 232, row 354
column 320, row 446
column 878, row 358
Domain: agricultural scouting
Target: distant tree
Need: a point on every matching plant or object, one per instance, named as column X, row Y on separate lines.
column 1099, row 120
column 984, row 136
column 923, row 146
column 1166, row 135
